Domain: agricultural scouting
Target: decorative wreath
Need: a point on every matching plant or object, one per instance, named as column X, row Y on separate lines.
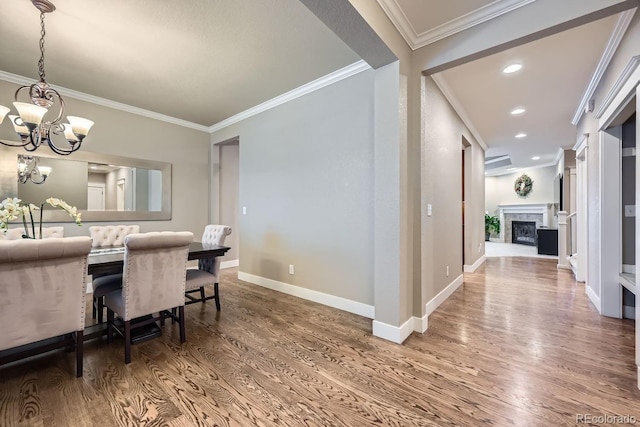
column 523, row 185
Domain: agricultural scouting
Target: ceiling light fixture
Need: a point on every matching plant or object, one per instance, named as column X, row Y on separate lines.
column 535, row 158
column 512, row 68
column 29, row 124
column 517, row 111
column 521, row 135
column 29, row 169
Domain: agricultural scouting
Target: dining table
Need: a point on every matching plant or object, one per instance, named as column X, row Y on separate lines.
column 111, row 261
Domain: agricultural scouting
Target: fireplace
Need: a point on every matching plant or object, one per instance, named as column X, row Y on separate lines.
column 523, row 232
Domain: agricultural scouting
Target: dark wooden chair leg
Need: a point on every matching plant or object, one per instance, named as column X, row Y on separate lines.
column 110, row 317
column 79, row 352
column 127, row 341
column 216, row 296
column 183, row 332
column 202, row 294
column 100, row 302
column 174, row 312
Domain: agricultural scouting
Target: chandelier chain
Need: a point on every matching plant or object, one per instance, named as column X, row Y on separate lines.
column 41, row 61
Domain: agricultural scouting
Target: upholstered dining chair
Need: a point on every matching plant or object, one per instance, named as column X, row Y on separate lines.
column 208, row 269
column 17, row 233
column 42, row 293
column 152, row 281
column 106, row 236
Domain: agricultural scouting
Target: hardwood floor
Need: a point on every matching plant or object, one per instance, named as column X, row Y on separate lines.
column 517, row 345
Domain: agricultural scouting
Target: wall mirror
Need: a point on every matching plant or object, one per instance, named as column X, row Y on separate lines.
column 103, row 187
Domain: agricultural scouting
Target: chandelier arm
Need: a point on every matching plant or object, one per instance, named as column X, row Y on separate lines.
column 24, row 143
column 63, row 151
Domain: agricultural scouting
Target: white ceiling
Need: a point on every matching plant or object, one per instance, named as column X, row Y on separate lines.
column 556, row 72
column 197, row 60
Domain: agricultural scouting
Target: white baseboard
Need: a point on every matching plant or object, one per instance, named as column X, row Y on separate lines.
column 627, row 268
column 230, row 264
column 431, row 306
column 595, row 300
column 396, row 334
column 340, row 303
column 472, row 268
column 420, row 324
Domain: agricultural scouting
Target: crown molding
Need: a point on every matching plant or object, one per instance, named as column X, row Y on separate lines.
column 581, row 144
column 559, row 155
column 21, row 80
column 457, row 25
column 614, row 41
column 517, row 169
column 327, row 80
column 448, row 93
column 624, row 77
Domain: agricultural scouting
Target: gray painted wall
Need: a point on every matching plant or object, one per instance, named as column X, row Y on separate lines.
column 124, row 134
column 229, row 195
column 306, row 179
column 499, row 189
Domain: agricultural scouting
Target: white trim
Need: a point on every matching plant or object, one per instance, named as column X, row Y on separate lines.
column 559, row 156
column 583, row 142
column 614, row 41
column 595, row 300
column 518, row 170
column 329, row 79
column 431, row 306
column 472, row 268
column 629, row 152
column 230, row 264
column 497, row 159
column 461, row 23
column 311, row 295
column 396, row 334
column 448, row 93
column 420, row 324
column 622, row 81
column 17, row 79
column 629, row 268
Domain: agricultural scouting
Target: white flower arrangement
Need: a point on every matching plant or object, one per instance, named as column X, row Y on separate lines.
column 13, row 208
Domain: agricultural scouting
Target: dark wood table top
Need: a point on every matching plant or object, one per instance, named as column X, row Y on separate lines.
column 109, row 260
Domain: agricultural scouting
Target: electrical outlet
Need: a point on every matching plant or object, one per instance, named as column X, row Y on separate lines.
column 291, row 270
column 447, row 271
column 244, row 210
column 429, row 209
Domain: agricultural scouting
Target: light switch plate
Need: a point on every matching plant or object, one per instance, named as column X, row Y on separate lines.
column 429, row 209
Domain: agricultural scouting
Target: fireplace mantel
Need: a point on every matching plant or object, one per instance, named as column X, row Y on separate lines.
column 542, row 209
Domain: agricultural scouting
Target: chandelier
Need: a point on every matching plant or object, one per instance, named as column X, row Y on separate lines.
column 30, row 125
column 29, row 169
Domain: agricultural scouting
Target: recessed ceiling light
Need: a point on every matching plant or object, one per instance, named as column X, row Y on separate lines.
column 535, row 158
column 517, row 111
column 512, row 68
column 521, row 135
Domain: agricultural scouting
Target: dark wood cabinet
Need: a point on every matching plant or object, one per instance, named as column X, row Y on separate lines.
column 547, row 241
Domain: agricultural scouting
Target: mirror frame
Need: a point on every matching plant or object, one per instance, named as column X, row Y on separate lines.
column 9, row 184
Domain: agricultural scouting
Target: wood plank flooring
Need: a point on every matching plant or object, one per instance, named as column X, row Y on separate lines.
column 517, row 345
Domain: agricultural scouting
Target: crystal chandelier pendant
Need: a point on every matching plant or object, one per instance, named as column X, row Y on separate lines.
column 30, row 123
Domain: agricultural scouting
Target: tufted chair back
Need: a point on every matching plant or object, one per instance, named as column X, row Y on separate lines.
column 111, row 235
column 42, row 291
column 154, row 273
column 213, row 235
column 47, row 232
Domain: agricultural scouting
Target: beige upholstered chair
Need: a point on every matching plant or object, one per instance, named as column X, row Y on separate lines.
column 107, row 236
column 47, row 232
column 42, row 292
column 152, row 280
column 208, row 269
